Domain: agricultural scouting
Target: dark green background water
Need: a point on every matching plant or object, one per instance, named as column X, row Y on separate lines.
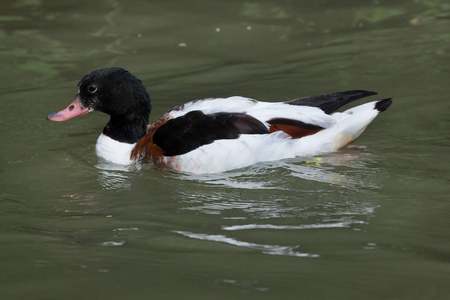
column 364, row 224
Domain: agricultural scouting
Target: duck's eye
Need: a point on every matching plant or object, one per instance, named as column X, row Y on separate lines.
column 92, row 89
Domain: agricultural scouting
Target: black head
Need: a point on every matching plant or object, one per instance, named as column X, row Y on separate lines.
column 114, row 91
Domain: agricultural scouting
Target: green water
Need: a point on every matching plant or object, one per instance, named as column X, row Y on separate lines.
column 367, row 223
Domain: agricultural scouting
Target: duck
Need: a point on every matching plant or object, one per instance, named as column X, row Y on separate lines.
column 214, row 135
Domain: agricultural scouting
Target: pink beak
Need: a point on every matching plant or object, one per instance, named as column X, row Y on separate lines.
column 73, row 110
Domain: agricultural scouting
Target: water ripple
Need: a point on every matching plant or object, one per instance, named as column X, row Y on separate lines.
column 266, row 249
column 290, row 227
column 113, row 244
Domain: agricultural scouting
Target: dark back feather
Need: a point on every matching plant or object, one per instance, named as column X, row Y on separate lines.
column 194, row 129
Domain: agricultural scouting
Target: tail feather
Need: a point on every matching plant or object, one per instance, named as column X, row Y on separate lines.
column 384, row 104
column 331, row 102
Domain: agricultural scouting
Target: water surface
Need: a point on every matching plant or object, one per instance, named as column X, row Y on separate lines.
column 364, row 223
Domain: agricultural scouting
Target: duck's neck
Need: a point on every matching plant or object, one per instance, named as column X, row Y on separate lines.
column 126, row 128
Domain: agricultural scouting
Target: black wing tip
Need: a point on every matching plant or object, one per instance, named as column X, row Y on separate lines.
column 330, row 103
column 384, row 104
column 362, row 92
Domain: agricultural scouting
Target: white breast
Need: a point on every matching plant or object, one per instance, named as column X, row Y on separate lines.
column 113, row 151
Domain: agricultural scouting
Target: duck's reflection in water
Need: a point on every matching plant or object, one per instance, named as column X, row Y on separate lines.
column 284, row 196
column 115, row 177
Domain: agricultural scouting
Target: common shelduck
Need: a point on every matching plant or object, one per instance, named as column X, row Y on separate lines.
column 215, row 134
